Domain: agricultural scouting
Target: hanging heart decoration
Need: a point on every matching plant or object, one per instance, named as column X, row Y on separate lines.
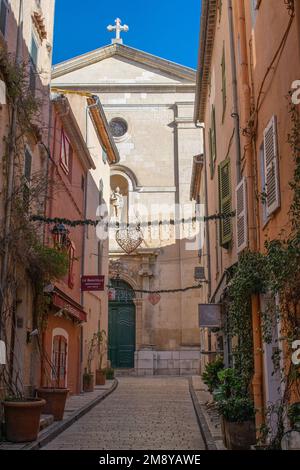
column 129, row 239
column 154, row 298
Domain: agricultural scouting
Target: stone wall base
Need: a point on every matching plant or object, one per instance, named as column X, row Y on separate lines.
column 180, row 362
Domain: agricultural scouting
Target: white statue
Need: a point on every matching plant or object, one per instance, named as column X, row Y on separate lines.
column 116, row 199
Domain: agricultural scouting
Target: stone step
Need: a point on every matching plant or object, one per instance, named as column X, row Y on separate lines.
column 125, row 372
column 45, row 421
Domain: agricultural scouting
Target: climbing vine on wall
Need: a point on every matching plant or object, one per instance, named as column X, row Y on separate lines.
column 275, row 273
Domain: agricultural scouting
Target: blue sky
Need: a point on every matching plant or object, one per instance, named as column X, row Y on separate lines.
column 167, row 28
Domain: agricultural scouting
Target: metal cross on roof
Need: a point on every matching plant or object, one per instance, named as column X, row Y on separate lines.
column 118, row 28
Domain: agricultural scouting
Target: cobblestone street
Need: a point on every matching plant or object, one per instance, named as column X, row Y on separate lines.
column 143, row 413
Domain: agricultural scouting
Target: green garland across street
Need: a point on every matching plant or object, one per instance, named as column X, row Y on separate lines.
column 75, row 223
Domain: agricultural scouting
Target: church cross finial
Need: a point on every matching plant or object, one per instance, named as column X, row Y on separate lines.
column 118, row 28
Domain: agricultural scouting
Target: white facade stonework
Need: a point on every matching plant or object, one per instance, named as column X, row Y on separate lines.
column 155, row 97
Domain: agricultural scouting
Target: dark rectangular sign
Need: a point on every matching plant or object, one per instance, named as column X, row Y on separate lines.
column 209, row 315
column 92, row 283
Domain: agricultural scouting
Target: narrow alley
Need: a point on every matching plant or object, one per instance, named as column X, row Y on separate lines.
column 142, row 413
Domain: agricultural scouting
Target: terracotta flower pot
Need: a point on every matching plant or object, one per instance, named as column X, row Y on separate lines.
column 55, row 401
column 100, row 377
column 22, row 419
column 88, row 382
column 240, row 436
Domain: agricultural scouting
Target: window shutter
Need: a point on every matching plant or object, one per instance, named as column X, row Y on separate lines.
column 213, row 135
column 27, row 165
column 212, row 142
column 271, row 167
column 225, row 202
column 3, row 16
column 224, row 98
column 211, row 163
column 241, row 215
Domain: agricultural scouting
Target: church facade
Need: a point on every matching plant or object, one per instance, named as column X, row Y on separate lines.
column 148, row 101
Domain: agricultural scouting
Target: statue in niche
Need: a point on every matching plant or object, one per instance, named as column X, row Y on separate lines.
column 117, row 202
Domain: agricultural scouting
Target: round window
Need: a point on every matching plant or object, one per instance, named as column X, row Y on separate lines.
column 118, row 127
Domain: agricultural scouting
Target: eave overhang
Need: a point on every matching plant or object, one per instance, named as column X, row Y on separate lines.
column 207, row 36
column 102, row 129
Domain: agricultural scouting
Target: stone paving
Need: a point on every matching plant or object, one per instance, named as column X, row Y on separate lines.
column 142, row 413
column 209, row 411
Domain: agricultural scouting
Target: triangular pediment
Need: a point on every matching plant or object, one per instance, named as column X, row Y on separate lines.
column 121, row 65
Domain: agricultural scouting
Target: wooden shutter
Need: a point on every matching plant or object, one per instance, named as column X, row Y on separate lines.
column 271, row 167
column 3, row 16
column 212, row 142
column 241, row 216
column 224, row 98
column 213, row 135
column 225, row 202
column 211, row 163
column 27, row 165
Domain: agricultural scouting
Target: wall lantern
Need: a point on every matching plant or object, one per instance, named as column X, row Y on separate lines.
column 60, row 235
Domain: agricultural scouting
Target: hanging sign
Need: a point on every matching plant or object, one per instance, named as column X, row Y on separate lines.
column 154, row 298
column 209, row 315
column 92, row 283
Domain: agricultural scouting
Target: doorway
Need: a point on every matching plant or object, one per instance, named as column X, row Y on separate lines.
column 121, row 326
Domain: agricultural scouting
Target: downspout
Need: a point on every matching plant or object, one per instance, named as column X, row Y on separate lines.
column 297, row 16
column 257, row 382
column 10, row 176
column 207, row 237
column 235, row 113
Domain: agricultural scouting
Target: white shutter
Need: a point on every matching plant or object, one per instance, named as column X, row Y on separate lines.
column 241, row 216
column 271, row 167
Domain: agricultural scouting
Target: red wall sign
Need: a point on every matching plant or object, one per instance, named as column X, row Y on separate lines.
column 92, row 283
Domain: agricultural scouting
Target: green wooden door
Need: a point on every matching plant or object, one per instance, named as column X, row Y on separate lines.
column 121, row 330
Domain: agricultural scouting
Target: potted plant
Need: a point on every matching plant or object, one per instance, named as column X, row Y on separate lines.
column 22, row 415
column 88, row 376
column 237, row 411
column 101, row 349
column 210, row 375
column 53, row 393
column 239, row 425
column 55, row 398
column 110, row 373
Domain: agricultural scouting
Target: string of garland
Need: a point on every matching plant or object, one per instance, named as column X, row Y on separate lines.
column 161, row 291
column 94, row 223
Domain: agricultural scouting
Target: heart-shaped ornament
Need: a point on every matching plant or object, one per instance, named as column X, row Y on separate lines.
column 129, row 239
column 154, row 298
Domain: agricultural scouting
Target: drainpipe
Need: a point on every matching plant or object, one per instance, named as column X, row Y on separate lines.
column 257, row 383
column 10, row 175
column 297, row 17
column 207, row 237
column 235, row 113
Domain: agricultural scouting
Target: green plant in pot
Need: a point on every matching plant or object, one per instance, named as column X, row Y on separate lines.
column 88, row 376
column 101, row 351
column 110, row 373
column 54, row 394
column 21, row 413
column 294, row 416
column 210, row 375
column 237, row 410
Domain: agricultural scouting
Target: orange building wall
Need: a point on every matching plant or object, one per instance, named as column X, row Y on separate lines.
column 263, row 38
